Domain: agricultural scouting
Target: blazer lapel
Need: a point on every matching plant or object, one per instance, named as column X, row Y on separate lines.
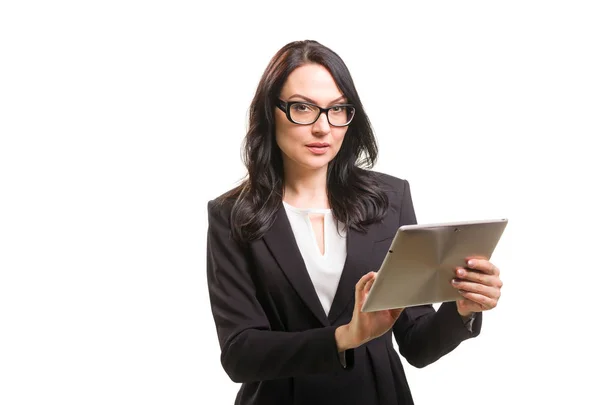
column 281, row 242
column 357, row 252
column 358, row 259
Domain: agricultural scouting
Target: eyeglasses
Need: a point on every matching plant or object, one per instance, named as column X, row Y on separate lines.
column 304, row 113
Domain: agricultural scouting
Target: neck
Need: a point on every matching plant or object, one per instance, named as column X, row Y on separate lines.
column 305, row 188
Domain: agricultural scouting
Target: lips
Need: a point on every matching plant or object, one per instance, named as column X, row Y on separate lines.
column 318, row 148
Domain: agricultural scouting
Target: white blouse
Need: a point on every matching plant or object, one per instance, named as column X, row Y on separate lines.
column 325, row 269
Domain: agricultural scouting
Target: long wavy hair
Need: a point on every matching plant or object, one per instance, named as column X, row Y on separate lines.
column 355, row 198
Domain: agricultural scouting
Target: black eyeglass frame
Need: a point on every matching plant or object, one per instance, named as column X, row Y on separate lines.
column 285, row 106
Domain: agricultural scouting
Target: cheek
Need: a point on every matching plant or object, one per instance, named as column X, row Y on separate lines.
column 338, row 136
column 284, row 138
column 289, row 138
column 282, row 133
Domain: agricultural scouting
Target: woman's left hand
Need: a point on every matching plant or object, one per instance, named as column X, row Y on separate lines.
column 479, row 282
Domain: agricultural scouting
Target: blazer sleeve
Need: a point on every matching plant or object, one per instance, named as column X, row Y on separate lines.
column 422, row 333
column 250, row 350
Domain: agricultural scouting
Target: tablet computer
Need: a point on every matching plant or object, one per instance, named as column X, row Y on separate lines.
column 422, row 259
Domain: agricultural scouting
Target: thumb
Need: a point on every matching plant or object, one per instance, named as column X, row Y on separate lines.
column 396, row 312
column 361, row 285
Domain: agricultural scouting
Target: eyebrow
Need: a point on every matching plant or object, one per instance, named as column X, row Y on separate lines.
column 340, row 98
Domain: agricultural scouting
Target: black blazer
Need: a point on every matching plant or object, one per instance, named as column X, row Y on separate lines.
column 277, row 340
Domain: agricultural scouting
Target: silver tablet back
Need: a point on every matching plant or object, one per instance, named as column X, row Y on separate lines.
column 422, row 260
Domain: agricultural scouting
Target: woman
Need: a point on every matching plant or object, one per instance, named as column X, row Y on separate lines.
column 290, row 251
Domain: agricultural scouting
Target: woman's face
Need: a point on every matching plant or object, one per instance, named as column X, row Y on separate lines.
column 309, row 146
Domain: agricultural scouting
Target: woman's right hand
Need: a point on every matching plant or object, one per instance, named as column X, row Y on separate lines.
column 364, row 326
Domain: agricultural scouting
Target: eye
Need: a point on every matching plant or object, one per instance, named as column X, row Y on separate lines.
column 338, row 109
column 300, row 107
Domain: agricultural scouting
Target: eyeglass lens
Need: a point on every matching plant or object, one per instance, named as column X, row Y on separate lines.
column 302, row 113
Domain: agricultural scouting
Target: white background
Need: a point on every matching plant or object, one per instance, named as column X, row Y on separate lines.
column 119, row 120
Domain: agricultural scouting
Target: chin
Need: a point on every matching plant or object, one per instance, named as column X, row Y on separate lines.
column 309, row 161
column 316, row 162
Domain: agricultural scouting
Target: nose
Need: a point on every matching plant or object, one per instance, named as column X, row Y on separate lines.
column 321, row 126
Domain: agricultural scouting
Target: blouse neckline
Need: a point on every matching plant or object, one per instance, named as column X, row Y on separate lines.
column 307, row 210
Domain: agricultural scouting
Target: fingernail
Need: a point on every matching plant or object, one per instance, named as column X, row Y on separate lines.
column 454, row 281
column 461, row 272
column 461, row 291
column 471, row 263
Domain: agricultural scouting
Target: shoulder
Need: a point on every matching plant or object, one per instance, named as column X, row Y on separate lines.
column 219, row 209
column 395, row 186
column 220, row 231
column 399, row 196
column 222, row 205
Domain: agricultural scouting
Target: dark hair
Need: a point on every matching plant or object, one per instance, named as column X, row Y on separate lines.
column 355, row 198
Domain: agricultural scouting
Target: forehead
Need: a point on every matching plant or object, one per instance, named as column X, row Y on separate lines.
column 312, row 81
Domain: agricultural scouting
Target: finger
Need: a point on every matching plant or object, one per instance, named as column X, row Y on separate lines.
column 479, row 277
column 360, row 286
column 485, row 302
column 364, row 280
column 369, row 285
column 483, row 266
column 469, row 286
column 395, row 313
column 466, row 305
